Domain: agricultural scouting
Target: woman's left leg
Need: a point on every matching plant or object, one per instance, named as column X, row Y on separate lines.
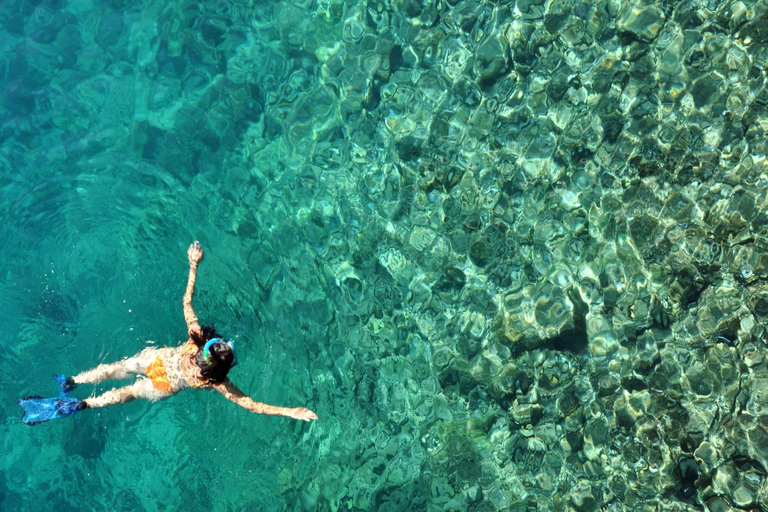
column 142, row 388
column 119, row 370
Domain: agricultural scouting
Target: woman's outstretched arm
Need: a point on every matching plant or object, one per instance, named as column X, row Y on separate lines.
column 229, row 390
column 195, row 254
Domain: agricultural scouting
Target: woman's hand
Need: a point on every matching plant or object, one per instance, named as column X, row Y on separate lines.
column 301, row 413
column 195, row 253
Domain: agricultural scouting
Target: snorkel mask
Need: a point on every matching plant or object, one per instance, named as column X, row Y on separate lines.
column 207, row 350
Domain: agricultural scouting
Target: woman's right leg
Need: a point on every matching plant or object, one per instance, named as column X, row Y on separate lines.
column 119, row 370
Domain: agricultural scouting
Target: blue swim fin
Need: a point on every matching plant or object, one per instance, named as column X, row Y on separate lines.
column 38, row 409
column 66, row 384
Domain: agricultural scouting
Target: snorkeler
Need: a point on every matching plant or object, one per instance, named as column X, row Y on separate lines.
column 202, row 362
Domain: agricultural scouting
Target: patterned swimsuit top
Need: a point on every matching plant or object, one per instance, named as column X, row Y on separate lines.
column 189, row 367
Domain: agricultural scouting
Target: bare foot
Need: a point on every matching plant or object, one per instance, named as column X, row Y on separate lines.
column 303, row 414
column 195, row 253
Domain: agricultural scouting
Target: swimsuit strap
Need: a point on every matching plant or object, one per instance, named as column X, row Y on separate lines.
column 191, row 347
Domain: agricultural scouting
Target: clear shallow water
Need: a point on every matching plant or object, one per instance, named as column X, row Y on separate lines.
column 512, row 256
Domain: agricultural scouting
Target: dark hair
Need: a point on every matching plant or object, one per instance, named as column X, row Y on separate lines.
column 221, row 356
column 207, row 332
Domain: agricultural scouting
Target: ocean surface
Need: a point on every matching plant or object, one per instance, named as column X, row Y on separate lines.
column 513, row 254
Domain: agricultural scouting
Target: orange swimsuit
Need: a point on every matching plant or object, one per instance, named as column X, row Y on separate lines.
column 159, row 376
column 156, row 373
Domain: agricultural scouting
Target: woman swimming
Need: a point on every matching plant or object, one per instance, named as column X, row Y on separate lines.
column 202, row 362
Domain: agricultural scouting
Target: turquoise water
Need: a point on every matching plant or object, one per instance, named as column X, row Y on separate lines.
column 96, row 222
column 511, row 253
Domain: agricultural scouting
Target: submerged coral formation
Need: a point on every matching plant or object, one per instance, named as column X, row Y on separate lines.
column 523, row 242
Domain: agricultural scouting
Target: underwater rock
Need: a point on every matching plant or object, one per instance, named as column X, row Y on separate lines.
column 490, row 60
column 536, row 316
column 582, row 498
column 641, row 20
column 603, row 340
